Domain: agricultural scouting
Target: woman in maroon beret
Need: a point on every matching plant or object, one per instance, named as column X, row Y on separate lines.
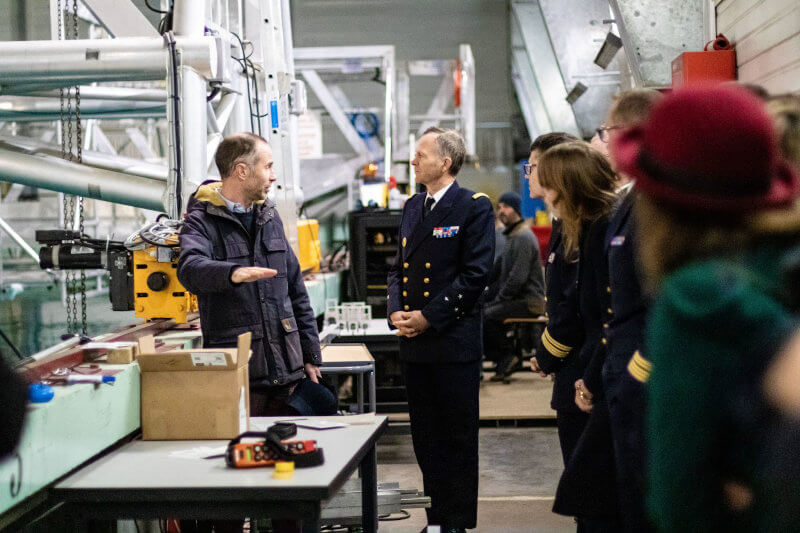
column 718, row 222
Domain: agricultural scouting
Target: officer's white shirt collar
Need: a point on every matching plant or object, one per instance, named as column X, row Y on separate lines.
column 235, row 207
column 438, row 196
column 625, row 189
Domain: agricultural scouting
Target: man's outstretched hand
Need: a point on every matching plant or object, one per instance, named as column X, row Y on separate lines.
column 247, row 274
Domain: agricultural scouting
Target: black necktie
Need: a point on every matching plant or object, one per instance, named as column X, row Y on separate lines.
column 429, row 201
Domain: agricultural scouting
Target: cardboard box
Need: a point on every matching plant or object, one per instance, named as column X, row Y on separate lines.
column 194, row 394
column 117, row 353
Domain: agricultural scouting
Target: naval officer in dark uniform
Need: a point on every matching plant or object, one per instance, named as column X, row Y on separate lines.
column 627, row 369
column 436, row 287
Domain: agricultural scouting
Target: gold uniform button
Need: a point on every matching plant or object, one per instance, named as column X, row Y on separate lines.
column 405, row 279
column 608, row 290
column 427, row 280
column 405, row 265
column 605, row 341
column 406, row 307
column 405, row 293
column 609, row 311
column 404, row 241
column 426, row 294
column 605, row 325
column 427, row 265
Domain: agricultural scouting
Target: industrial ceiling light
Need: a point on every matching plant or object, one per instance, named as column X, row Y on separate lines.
column 610, row 47
column 576, row 92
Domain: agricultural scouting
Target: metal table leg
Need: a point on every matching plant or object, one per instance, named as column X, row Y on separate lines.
column 360, row 394
column 368, row 470
column 372, row 407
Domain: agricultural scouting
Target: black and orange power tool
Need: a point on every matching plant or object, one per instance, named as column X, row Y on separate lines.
column 271, row 447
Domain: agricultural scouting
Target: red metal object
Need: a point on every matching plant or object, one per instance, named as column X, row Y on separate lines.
column 543, row 236
column 716, row 65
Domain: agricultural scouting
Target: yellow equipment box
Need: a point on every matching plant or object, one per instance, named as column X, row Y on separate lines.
column 157, row 291
column 308, row 245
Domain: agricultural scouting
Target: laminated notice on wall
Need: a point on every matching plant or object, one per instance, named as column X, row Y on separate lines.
column 209, row 359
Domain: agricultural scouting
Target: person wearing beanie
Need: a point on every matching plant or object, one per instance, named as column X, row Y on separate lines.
column 717, row 220
column 519, row 286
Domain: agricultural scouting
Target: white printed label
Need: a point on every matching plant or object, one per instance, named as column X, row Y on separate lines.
column 209, row 359
column 242, row 412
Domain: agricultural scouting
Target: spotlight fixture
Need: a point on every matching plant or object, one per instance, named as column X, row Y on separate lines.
column 610, row 47
column 576, row 92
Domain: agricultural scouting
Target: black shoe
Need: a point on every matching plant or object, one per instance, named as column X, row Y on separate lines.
column 514, row 365
column 507, row 366
column 454, row 530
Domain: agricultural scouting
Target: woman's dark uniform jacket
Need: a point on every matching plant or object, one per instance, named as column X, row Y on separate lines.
column 587, row 488
column 563, row 335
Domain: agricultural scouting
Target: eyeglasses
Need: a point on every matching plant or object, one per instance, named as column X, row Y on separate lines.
column 528, row 168
column 602, row 132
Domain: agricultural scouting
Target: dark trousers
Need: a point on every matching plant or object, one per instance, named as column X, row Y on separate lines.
column 570, row 427
column 443, row 406
column 626, row 409
column 263, row 402
column 587, row 488
column 496, row 345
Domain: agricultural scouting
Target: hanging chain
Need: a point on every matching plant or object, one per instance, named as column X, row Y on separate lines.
column 66, row 137
column 79, row 159
column 73, row 154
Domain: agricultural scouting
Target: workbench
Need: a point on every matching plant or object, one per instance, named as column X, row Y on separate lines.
column 161, row 479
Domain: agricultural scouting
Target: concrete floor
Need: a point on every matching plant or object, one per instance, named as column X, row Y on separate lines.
column 519, row 471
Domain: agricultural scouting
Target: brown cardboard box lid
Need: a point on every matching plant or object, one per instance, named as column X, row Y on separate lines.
column 201, row 359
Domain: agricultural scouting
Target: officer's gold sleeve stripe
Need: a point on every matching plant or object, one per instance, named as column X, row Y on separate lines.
column 639, row 367
column 641, row 361
column 478, row 195
column 553, row 347
column 558, row 344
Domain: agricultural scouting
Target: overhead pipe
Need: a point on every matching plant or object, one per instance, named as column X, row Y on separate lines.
column 54, row 174
column 32, row 63
column 126, row 165
column 189, row 118
column 100, row 92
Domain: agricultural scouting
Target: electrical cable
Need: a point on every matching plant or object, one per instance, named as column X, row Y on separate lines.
column 258, row 109
column 151, row 8
column 11, row 344
column 404, row 515
column 243, row 63
column 176, row 115
column 213, row 94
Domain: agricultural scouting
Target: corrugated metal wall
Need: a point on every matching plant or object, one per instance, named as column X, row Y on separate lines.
column 767, row 38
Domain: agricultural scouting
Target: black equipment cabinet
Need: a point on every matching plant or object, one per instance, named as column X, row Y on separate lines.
column 373, row 245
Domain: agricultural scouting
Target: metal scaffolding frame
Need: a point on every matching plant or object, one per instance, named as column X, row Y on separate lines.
column 31, row 72
column 462, row 116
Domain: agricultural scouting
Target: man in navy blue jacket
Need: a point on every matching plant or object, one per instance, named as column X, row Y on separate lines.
column 435, row 290
column 235, row 257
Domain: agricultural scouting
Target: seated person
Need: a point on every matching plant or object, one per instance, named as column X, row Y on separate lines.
column 519, row 285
